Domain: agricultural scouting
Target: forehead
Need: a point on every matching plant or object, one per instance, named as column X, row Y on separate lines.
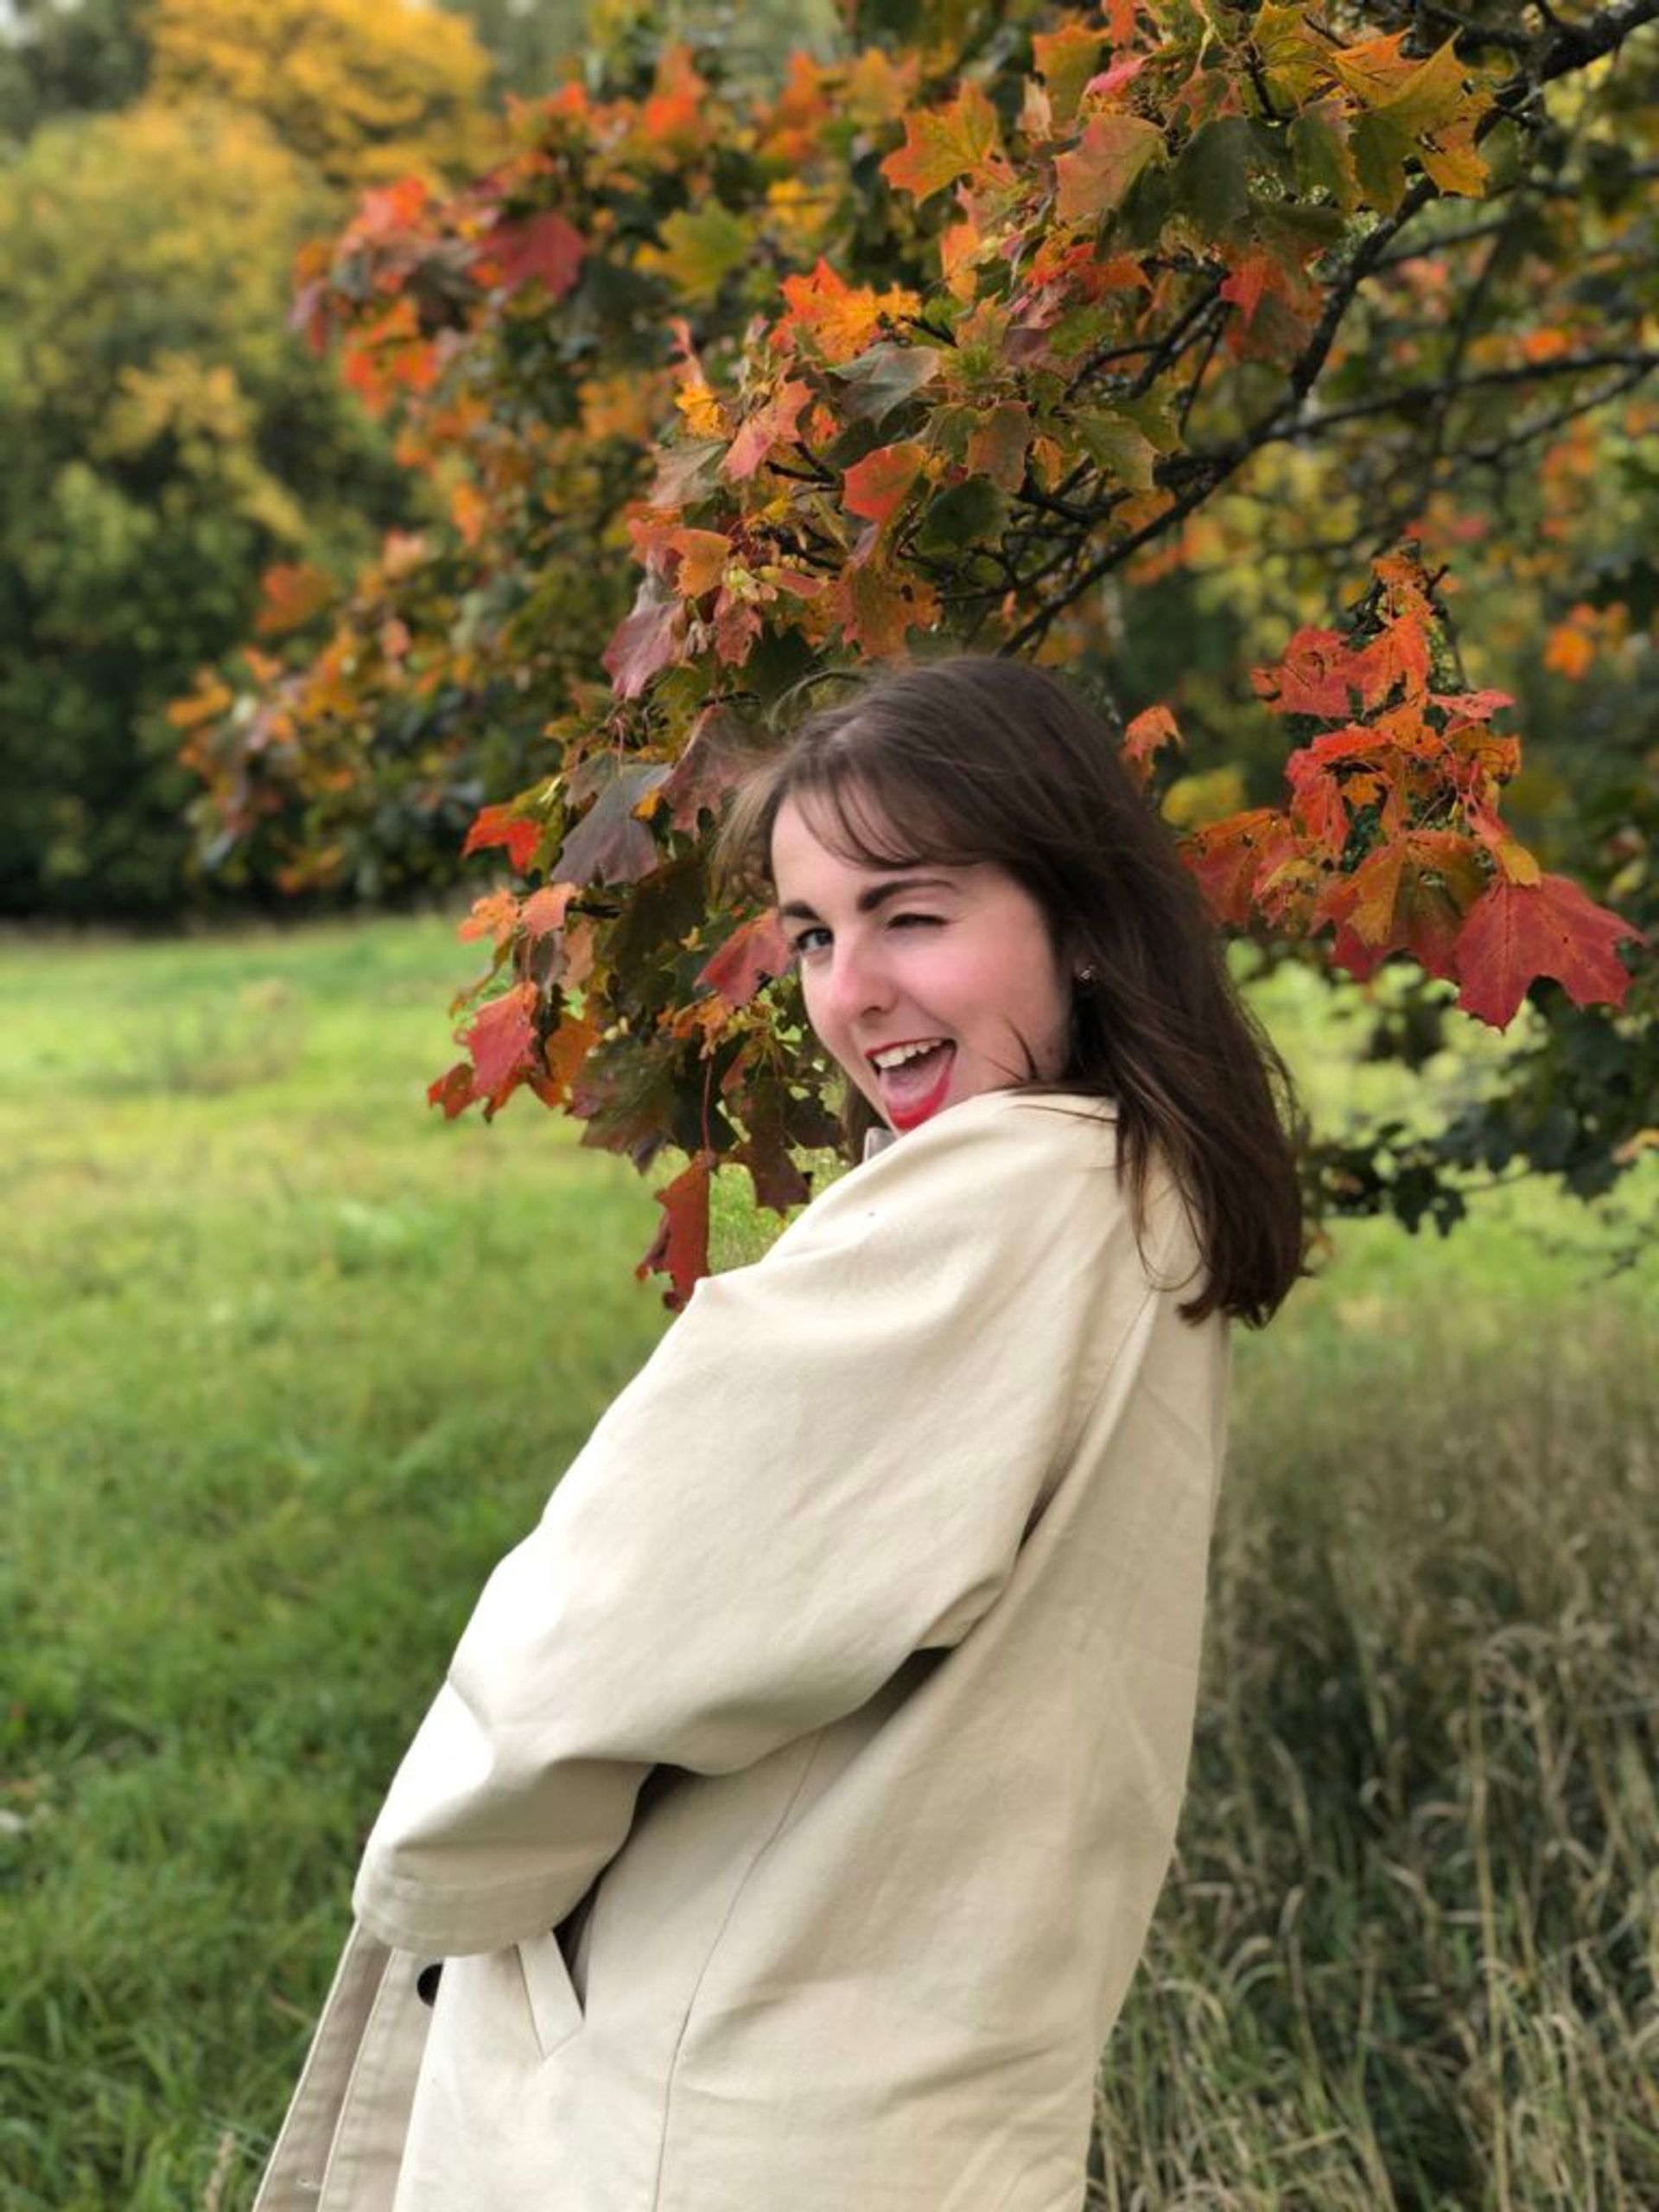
column 810, row 843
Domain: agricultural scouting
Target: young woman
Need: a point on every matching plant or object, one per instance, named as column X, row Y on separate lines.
column 785, row 1834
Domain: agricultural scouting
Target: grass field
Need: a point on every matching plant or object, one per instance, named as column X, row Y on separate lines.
column 286, row 1362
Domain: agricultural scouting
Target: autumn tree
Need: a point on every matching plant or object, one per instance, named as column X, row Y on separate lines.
column 168, row 438
column 362, row 90
column 986, row 331
column 68, row 57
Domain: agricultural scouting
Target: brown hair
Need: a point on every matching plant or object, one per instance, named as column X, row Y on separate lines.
column 978, row 759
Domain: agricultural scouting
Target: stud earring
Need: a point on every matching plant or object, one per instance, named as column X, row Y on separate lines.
column 1087, row 974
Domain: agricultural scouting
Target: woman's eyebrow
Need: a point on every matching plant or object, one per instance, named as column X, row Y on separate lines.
column 877, row 895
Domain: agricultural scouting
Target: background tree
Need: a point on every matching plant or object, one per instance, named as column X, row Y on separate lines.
column 169, row 439
column 969, row 334
column 361, row 91
column 68, row 57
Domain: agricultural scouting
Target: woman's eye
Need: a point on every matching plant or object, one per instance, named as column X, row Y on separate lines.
column 916, row 921
column 804, row 943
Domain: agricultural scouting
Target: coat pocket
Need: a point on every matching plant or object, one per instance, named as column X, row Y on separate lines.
column 554, row 2010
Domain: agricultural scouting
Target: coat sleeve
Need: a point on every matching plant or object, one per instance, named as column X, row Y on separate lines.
column 829, row 1463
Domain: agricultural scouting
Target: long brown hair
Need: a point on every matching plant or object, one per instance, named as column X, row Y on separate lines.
column 978, row 759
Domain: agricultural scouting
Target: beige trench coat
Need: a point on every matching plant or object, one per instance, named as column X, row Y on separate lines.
column 792, row 1816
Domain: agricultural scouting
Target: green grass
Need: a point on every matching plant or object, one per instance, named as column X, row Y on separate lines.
column 287, row 1362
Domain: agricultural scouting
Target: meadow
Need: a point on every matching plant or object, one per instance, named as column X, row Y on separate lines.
column 286, row 1362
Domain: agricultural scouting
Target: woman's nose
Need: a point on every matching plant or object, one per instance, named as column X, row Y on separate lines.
column 858, row 982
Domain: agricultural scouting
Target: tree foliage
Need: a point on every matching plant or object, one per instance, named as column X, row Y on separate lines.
column 167, row 439
column 362, row 90
column 68, row 57
column 966, row 335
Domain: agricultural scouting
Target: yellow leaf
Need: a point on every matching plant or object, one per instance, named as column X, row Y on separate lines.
column 701, row 410
column 1452, row 163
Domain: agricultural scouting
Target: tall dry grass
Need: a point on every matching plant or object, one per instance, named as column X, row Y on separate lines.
column 1407, row 1958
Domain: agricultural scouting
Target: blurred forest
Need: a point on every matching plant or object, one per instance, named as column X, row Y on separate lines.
column 168, row 438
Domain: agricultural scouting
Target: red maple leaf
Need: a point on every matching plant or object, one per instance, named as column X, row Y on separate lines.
column 705, row 771
column 1518, row 931
column 1315, row 676
column 502, row 1042
column 754, row 953
column 545, row 250
column 644, row 641
column 680, row 1248
column 499, row 825
column 767, row 427
column 453, row 1091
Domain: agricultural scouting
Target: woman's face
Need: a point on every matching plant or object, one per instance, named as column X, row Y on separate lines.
column 957, row 961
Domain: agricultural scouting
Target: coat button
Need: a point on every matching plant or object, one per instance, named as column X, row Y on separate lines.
column 426, row 1981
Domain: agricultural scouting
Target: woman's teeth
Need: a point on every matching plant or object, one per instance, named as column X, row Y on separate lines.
column 897, row 1055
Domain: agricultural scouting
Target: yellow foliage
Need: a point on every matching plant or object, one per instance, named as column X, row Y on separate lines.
column 368, row 90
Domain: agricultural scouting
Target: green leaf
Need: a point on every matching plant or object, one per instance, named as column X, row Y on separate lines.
column 1320, row 149
column 1211, row 180
column 973, row 512
column 1382, row 149
column 1116, row 446
column 1153, row 414
column 1289, row 48
column 1431, row 96
column 700, row 250
column 885, row 377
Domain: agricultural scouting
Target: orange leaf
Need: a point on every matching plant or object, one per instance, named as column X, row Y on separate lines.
column 1518, row 931
column 567, row 1048
column 1111, row 153
column 289, row 595
column 841, row 318
column 703, row 554
column 875, row 486
column 543, row 911
column 1225, row 857
column 997, row 446
column 1315, row 676
column 387, row 209
column 1569, row 652
column 942, row 144
column 468, row 511
column 1146, row 735
column 1245, row 285
column 496, row 916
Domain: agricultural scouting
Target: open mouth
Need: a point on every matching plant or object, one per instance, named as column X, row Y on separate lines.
column 916, row 1087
